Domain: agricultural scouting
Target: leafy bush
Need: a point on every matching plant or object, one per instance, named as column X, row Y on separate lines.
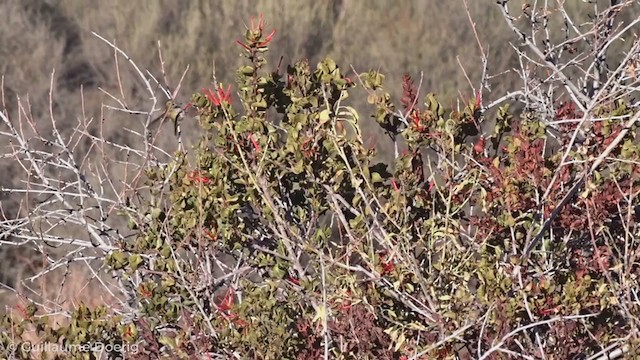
column 282, row 237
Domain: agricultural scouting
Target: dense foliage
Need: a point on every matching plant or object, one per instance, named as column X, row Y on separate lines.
column 281, row 236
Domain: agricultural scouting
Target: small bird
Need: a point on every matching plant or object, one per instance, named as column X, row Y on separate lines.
column 172, row 111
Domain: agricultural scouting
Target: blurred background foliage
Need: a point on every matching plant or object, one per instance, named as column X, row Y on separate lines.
column 397, row 37
column 434, row 37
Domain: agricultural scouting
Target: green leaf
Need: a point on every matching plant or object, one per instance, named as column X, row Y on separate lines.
column 376, row 178
column 325, row 116
column 134, row 261
column 168, row 342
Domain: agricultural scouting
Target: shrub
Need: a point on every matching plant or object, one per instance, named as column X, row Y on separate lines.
column 280, row 236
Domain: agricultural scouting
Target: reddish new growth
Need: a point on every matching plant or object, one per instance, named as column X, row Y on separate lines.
column 394, row 184
column 219, row 96
column 602, row 137
column 567, row 111
column 308, row 148
column 145, row 292
column 409, row 96
column 256, row 145
column 210, row 234
column 408, row 93
column 387, row 264
column 344, row 302
column 254, row 38
column 224, row 308
column 294, row 280
column 21, row 309
column 478, row 147
column 198, row 177
column 478, row 103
